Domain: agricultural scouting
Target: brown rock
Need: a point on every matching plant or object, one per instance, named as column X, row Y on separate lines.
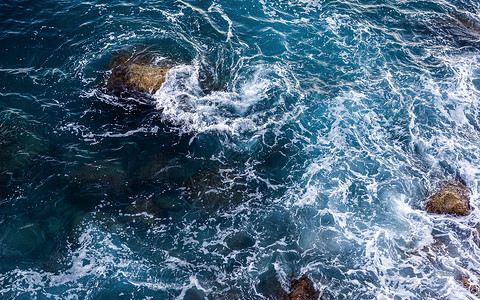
column 303, row 289
column 135, row 73
column 467, row 22
column 473, row 288
column 453, row 198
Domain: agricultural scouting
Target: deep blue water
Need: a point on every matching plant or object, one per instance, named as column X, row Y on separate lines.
column 291, row 137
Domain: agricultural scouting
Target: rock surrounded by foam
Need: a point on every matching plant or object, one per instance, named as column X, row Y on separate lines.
column 453, row 198
column 303, row 289
column 473, row 288
column 135, row 73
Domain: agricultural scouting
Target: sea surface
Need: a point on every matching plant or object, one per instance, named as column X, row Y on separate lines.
column 289, row 138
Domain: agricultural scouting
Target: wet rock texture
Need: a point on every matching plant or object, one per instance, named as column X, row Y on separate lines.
column 303, row 289
column 453, row 198
column 135, row 73
column 473, row 288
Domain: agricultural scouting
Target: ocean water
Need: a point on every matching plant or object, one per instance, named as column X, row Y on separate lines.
column 289, row 138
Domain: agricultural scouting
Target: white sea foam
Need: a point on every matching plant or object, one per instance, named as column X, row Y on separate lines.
column 400, row 251
column 218, row 8
column 99, row 257
column 184, row 104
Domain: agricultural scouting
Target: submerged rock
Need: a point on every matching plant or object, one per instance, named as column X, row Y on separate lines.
column 145, row 211
column 161, row 168
column 269, row 285
column 453, row 198
column 105, row 172
column 97, row 179
column 303, row 289
column 19, row 145
column 456, row 29
column 215, row 188
column 135, row 73
column 240, row 240
column 465, row 21
column 22, row 237
column 233, row 293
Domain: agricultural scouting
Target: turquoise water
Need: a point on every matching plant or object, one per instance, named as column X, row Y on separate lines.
column 290, row 138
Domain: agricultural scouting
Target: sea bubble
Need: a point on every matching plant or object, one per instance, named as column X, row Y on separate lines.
column 185, row 105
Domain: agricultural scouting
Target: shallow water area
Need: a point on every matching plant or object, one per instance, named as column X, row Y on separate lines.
column 288, row 138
